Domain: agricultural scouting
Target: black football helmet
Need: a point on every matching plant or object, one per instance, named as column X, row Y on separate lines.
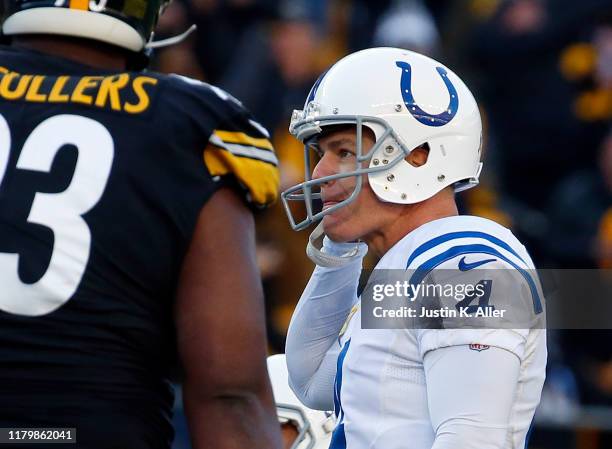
column 127, row 24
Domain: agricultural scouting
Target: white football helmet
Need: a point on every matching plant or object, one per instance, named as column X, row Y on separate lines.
column 407, row 100
column 314, row 427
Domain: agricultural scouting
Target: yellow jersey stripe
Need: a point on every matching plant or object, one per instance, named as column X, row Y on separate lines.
column 243, row 139
column 260, row 178
column 79, row 4
column 245, row 150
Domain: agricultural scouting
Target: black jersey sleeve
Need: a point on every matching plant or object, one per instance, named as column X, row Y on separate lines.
column 236, row 147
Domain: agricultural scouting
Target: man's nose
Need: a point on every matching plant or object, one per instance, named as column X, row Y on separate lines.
column 323, row 168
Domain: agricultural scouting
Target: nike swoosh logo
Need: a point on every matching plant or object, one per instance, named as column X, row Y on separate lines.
column 463, row 266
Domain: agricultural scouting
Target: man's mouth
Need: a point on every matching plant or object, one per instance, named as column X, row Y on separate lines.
column 329, row 203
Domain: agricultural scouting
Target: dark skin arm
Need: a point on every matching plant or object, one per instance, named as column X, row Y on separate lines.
column 221, row 333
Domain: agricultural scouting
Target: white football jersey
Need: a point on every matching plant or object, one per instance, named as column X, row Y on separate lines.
column 381, row 396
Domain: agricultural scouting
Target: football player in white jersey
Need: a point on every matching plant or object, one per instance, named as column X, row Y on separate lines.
column 302, row 427
column 398, row 134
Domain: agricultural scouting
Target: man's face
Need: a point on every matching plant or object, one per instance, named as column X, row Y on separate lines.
column 366, row 213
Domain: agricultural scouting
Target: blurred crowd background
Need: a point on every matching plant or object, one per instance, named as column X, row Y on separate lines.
column 542, row 73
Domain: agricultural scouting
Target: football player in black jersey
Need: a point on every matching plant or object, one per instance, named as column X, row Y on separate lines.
column 126, row 237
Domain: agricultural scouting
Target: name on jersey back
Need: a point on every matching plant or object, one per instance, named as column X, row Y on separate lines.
column 121, row 92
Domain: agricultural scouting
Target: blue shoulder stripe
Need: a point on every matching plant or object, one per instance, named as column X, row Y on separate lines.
column 459, row 235
column 455, row 251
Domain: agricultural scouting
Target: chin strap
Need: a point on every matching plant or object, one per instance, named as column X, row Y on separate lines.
column 151, row 45
column 139, row 61
column 315, row 250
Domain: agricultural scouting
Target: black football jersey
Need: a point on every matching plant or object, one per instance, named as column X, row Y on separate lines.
column 102, row 178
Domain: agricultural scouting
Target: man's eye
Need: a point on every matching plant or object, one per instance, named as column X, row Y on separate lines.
column 344, row 154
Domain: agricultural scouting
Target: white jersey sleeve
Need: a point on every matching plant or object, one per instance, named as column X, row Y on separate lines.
column 312, row 346
column 484, row 355
column 460, row 385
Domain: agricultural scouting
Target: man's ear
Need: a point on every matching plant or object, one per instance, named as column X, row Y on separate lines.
column 418, row 156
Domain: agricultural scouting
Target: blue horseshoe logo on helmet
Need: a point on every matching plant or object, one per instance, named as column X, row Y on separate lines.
column 423, row 117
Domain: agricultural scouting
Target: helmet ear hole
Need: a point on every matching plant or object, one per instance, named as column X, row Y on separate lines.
column 290, row 432
column 418, row 156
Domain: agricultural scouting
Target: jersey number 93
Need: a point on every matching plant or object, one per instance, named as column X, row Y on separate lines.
column 60, row 212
